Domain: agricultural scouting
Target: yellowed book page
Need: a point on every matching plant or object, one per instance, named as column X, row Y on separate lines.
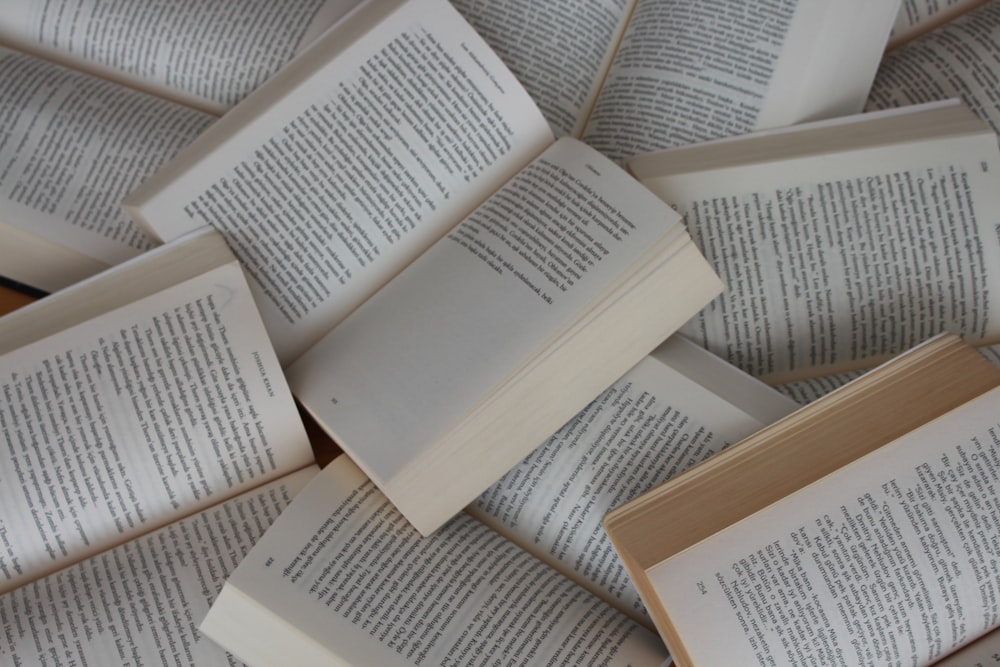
column 345, row 168
column 208, row 55
column 135, row 418
column 838, row 261
column 889, row 560
column 82, row 143
column 959, row 59
column 342, row 579
column 691, row 71
column 140, row 602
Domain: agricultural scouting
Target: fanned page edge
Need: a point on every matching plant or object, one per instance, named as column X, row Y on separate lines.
column 637, row 528
column 878, row 464
column 672, row 261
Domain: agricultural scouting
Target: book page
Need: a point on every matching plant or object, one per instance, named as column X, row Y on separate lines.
column 75, row 146
column 407, row 130
column 890, row 560
column 427, row 350
column 141, row 602
column 918, row 16
column 558, row 49
column 342, row 576
column 983, row 652
column 207, row 55
column 650, row 425
column 959, row 59
column 838, row 261
column 134, row 418
column 807, row 390
column 688, row 72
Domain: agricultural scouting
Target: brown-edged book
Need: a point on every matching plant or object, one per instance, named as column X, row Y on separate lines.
column 859, row 529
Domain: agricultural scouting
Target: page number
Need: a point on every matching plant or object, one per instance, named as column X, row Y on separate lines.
column 985, row 166
column 701, row 588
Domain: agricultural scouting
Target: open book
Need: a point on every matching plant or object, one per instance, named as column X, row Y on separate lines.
column 140, row 601
column 637, row 75
column 841, row 242
column 206, row 55
column 136, row 397
column 514, row 277
column 858, row 530
column 958, row 58
column 341, row 574
column 80, row 133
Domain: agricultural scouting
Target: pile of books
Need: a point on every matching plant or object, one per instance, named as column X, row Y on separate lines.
column 416, row 332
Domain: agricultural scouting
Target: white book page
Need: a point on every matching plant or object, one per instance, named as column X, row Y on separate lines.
column 807, row 390
column 983, row 652
column 209, row 55
column 918, row 16
column 558, row 49
column 888, row 561
column 959, row 59
column 688, row 72
column 139, row 416
column 336, row 185
column 343, row 579
column 140, row 602
column 433, row 344
column 836, row 262
column 652, row 424
column 76, row 146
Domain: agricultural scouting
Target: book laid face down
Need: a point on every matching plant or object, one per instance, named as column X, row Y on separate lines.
column 842, row 242
column 858, row 530
column 639, row 75
column 132, row 399
column 514, row 278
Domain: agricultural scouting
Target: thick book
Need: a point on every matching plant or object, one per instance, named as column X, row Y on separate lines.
column 841, row 242
column 857, row 530
column 526, row 576
column 506, row 278
column 97, row 96
column 958, row 57
column 640, row 75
